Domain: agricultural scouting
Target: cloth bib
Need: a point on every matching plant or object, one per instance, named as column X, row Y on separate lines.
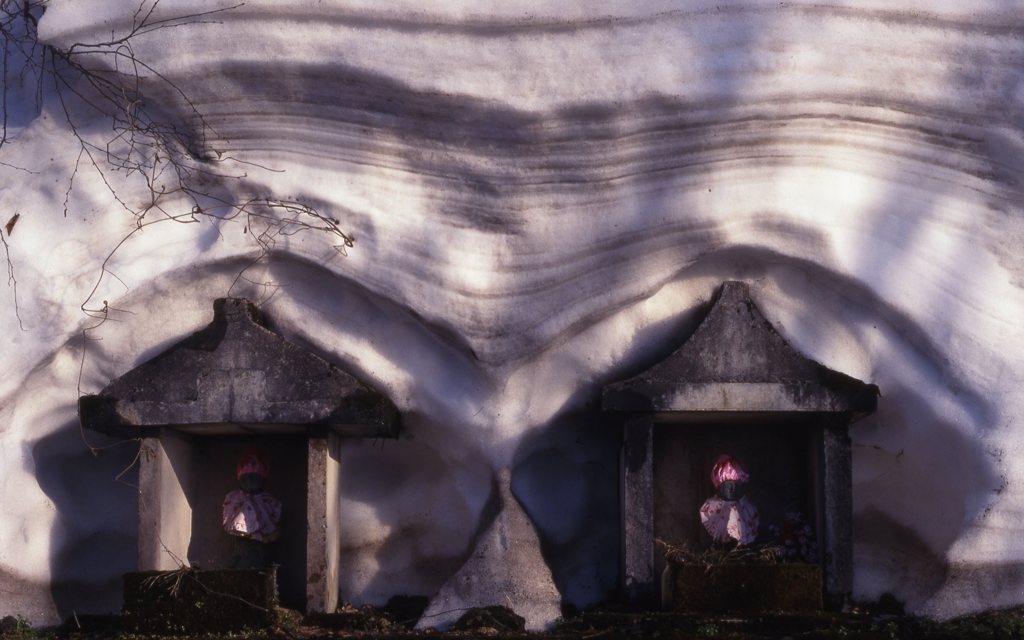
column 252, row 515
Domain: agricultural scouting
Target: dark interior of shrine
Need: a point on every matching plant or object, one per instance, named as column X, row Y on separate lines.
column 779, row 453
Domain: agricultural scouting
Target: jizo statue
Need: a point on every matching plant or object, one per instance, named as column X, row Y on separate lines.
column 728, row 516
column 252, row 516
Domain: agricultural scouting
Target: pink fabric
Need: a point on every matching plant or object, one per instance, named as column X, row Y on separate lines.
column 252, row 515
column 252, row 461
column 728, row 468
column 727, row 520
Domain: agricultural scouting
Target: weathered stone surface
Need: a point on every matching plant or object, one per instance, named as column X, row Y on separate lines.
column 637, row 470
column 323, row 536
column 736, row 361
column 165, row 514
column 506, row 568
column 233, row 373
column 837, row 467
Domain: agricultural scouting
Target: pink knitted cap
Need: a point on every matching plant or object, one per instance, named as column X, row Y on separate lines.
column 728, row 468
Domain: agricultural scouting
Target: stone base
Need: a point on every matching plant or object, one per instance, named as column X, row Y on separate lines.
column 191, row 601
column 747, row 588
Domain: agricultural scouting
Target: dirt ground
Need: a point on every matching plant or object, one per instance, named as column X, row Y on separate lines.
column 372, row 624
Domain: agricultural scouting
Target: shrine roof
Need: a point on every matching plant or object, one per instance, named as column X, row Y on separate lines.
column 736, row 361
column 237, row 375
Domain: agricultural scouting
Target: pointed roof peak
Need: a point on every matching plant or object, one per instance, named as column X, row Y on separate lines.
column 736, row 361
column 238, row 373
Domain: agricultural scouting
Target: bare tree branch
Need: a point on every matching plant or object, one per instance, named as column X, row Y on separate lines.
column 171, row 162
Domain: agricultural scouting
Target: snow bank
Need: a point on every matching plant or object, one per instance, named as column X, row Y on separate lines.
column 541, row 197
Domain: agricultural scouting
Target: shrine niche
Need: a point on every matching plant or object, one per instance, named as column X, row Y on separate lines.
column 735, row 445
column 239, row 462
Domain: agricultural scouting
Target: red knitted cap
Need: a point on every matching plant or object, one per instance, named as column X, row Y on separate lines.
column 252, row 461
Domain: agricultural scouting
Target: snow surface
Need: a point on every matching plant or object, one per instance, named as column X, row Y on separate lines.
column 543, row 195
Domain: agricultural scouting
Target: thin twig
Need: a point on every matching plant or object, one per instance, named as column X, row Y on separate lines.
column 11, row 280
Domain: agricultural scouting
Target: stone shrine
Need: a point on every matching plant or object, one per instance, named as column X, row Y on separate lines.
column 196, row 406
column 736, row 387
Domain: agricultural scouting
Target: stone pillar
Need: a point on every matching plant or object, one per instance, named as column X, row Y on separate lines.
column 637, row 471
column 323, row 541
column 165, row 516
column 838, row 490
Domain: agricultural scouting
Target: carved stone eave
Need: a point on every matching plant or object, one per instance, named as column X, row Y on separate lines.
column 736, row 362
column 238, row 376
